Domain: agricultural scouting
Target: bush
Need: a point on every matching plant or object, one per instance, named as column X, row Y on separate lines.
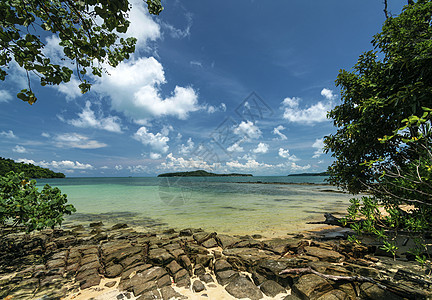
column 21, row 204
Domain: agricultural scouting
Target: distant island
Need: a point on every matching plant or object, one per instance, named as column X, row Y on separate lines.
column 201, row 173
column 311, row 174
column 30, row 170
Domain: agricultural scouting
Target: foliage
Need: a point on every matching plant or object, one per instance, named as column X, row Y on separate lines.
column 22, row 204
column 87, row 30
column 383, row 142
column 199, row 173
column 29, row 170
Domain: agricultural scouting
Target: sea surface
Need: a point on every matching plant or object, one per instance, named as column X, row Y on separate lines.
column 232, row 205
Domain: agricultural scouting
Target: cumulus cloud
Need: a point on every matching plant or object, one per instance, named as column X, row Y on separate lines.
column 235, row 148
column 296, row 167
column 5, row 96
column 118, row 167
column 178, row 164
column 185, row 149
column 88, row 119
column 157, row 142
column 45, row 134
column 261, row 148
column 138, row 169
column 312, row 114
column 249, row 129
column 75, row 140
column 19, row 149
column 250, row 165
column 155, row 155
column 134, row 89
column 277, row 131
column 285, row 154
column 59, row 165
column 8, row 134
column 319, row 145
column 196, row 63
column 212, row 109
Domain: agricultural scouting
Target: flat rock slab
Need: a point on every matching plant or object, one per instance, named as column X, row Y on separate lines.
column 242, row 287
column 324, row 254
column 311, row 286
column 271, row 288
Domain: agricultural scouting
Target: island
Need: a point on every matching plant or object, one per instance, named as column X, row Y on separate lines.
column 311, row 174
column 30, row 170
column 201, row 173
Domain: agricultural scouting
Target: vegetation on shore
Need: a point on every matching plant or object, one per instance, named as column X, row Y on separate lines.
column 200, row 173
column 384, row 139
column 326, row 173
column 29, row 170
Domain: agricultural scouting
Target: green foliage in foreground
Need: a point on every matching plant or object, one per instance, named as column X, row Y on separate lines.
column 21, row 204
column 29, row 170
column 88, row 33
column 384, row 139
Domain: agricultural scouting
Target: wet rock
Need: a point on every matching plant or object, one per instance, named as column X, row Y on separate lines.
column 226, row 241
column 207, row 278
column 242, row 287
column 222, row 265
column 198, row 286
column 373, row 292
column 224, row 277
column 160, row 256
column 169, row 293
column 271, row 288
column 199, row 269
column 324, row 254
column 119, row 226
column 110, row 284
column 173, row 267
column 311, row 286
column 113, row 271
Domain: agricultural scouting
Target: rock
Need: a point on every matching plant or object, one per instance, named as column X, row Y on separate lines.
column 224, row 277
column 164, row 281
column 150, row 295
column 169, row 293
column 222, row 265
column 206, row 278
column 210, row 243
column 203, row 259
column 198, row 286
column 271, row 288
column 113, row 271
column 160, row 257
column 110, row 284
column 242, row 287
column 291, row 297
column 257, row 278
column 311, row 286
column 226, row 241
column 181, row 274
column 51, row 264
column 334, row 295
column 89, row 259
column 90, row 281
column 247, row 257
column 373, row 292
column 176, row 253
column 199, row 270
column 96, row 224
column 185, row 282
column 185, row 262
column 131, row 260
column 185, row 232
column 173, row 267
column 324, row 254
column 137, row 269
column 119, row 226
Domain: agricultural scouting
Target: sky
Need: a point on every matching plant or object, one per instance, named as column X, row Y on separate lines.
column 226, row 86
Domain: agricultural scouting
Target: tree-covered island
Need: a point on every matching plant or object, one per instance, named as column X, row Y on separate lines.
column 29, row 170
column 201, row 173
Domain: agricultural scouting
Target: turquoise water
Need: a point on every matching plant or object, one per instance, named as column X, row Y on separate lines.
column 222, row 204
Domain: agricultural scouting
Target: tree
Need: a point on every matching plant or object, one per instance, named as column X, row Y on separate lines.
column 384, row 139
column 87, row 30
column 21, row 204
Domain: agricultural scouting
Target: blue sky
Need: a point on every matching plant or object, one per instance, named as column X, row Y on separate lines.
column 226, row 86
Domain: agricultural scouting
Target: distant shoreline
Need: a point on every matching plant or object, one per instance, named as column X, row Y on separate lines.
column 202, row 173
column 286, row 183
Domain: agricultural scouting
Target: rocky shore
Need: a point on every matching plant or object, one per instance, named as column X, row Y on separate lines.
column 117, row 263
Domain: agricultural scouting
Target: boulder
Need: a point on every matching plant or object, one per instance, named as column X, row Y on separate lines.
column 271, row 288
column 242, row 287
column 311, row 286
column 160, row 257
column 198, row 286
column 324, row 254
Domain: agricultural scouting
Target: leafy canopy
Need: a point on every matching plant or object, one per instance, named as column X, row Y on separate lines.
column 87, row 30
column 21, row 204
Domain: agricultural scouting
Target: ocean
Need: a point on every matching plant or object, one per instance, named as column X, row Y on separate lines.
column 231, row 205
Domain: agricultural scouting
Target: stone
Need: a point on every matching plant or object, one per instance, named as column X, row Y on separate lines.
column 89, row 259
column 96, row 224
column 185, row 282
column 150, row 295
column 210, row 243
column 207, row 278
column 203, row 259
column 51, row 264
column 164, row 281
column 137, row 269
column 242, row 287
column 160, row 257
column 176, row 253
column 324, row 254
column 186, row 232
column 311, row 286
column 121, row 253
column 247, row 257
column 373, row 292
column 91, row 265
column 81, row 275
column 257, row 278
column 169, row 293
column 198, row 286
column 226, row 241
column 199, row 269
column 181, row 274
column 90, row 281
column 131, row 260
column 185, row 262
column 222, row 265
column 113, row 271
column 140, row 288
column 110, row 284
column 119, row 226
column 173, row 267
column 224, row 277
column 271, row 288
column 334, row 295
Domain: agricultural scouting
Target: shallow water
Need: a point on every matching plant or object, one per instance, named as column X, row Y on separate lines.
column 219, row 204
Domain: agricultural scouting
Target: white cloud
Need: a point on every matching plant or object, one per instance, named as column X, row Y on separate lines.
column 88, row 119
column 212, row 109
column 134, row 89
column 250, row 165
column 249, row 129
column 277, row 131
column 313, row 114
column 59, row 165
column 155, row 155
column 285, row 154
column 157, row 142
column 182, row 164
column 196, row 63
column 185, row 149
column 138, row 169
column 328, row 94
column 75, row 140
column 8, row 134
column 5, row 96
column 118, row 167
column 296, row 167
column 176, row 32
column 19, row 149
column 235, row 148
column 45, row 134
column 261, row 148
column 319, row 145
